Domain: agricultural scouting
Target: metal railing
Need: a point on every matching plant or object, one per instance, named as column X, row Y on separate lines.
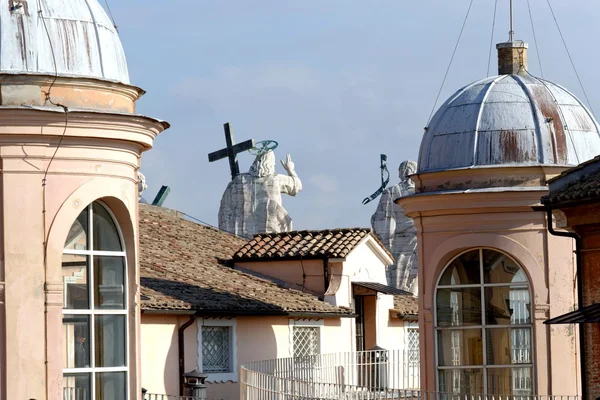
column 155, row 396
column 325, row 376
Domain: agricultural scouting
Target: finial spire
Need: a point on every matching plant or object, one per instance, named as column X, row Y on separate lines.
column 511, row 33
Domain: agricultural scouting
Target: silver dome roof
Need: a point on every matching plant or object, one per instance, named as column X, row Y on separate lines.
column 512, row 120
column 84, row 40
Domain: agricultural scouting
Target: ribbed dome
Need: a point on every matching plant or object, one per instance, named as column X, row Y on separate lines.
column 509, row 120
column 84, row 40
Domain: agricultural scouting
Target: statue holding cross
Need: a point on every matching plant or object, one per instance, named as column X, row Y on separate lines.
column 252, row 201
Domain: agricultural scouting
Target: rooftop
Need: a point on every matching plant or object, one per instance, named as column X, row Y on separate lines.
column 184, row 268
column 329, row 243
column 577, row 185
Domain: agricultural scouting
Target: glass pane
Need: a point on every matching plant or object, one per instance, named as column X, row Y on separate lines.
column 460, row 347
column 77, row 236
column 106, row 237
column 109, row 283
column 464, row 270
column 507, row 306
column 75, row 282
column 461, row 381
column 499, row 268
column 76, row 335
column 109, row 340
column 215, row 349
column 111, row 386
column 76, row 387
column 456, row 307
column 508, row 346
column 510, row 381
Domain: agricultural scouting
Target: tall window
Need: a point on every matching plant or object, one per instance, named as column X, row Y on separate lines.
column 483, row 324
column 94, row 271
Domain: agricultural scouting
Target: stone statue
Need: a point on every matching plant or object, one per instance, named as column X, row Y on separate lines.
column 397, row 231
column 142, row 186
column 252, row 202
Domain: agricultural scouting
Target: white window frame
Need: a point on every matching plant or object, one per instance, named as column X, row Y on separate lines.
column 483, row 326
column 232, row 324
column 91, row 312
column 320, row 323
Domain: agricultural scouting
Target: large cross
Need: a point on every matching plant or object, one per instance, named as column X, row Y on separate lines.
column 231, row 151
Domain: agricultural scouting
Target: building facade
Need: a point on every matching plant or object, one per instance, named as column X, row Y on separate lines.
column 70, row 150
column 489, row 272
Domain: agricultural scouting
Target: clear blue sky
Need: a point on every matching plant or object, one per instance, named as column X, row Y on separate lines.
column 335, row 82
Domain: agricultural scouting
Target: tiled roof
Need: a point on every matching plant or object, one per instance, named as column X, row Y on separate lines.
column 331, row 243
column 576, row 185
column 183, row 267
column 406, row 305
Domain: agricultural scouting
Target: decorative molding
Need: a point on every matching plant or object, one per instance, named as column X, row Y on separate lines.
column 542, row 312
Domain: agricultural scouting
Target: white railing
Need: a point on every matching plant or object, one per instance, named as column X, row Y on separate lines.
column 325, row 375
column 154, row 396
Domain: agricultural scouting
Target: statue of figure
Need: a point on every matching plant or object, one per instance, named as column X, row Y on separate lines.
column 397, row 232
column 142, row 186
column 252, row 202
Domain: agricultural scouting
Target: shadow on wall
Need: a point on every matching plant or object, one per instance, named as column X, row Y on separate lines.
column 256, row 335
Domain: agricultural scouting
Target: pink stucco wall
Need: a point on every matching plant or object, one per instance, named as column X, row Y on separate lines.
column 450, row 224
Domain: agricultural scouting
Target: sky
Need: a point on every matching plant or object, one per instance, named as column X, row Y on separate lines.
column 336, row 83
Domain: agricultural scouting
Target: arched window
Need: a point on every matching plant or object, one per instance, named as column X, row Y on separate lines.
column 483, row 326
column 94, row 273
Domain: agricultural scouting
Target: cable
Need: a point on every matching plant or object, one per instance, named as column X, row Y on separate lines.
column 111, row 15
column 492, row 38
column 570, row 58
column 537, row 49
column 62, row 136
column 450, row 63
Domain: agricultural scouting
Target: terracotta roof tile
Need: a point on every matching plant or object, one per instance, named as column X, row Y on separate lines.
column 183, row 266
column 334, row 243
column 406, row 305
column 577, row 185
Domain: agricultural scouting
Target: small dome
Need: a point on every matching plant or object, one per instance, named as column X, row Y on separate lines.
column 79, row 33
column 512, row 120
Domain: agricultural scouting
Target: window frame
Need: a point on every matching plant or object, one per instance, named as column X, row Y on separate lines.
column 91, row 311
column 483, row 326
column 306, row 323
column 232, row 325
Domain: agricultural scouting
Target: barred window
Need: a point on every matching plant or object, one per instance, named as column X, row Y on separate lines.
column 412, row 339
column 216, row 349
column 306, row 340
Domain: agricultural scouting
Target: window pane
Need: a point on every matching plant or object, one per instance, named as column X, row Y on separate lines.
column 507, row 306
column 306, row 340
column 460, row 347
column 109, row 282
column 216, row 349
column 76, row 387
column 75, row 282
column 464, row 270
column 508, row 346
column 106, row 237
column 109, row 340
column 77, row 236
column 110, row 386
column 510, row 381
column 456, row 307
column 499, row 268
column 461, row 381
column 76, row 335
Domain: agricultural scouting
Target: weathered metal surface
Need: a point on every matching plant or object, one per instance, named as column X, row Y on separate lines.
column 78, row 32
column 509, row 120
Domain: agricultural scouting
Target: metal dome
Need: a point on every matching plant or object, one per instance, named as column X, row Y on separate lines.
column 512, row 120
column 84, row 41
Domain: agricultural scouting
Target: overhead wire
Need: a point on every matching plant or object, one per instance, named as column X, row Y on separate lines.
column 537, row 49
column 450, row 63
column 492, row 38
column 111, row 15
column 570, row 58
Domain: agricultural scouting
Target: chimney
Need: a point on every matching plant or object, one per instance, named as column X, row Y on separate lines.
column 512, row 57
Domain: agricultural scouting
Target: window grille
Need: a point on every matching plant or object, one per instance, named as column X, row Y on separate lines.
column 216, row 351
column 413, row 346
column 306, row 340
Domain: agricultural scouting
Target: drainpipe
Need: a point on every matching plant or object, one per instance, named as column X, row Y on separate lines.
column 325, row 275
column 181, row 346
column 579, row 265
